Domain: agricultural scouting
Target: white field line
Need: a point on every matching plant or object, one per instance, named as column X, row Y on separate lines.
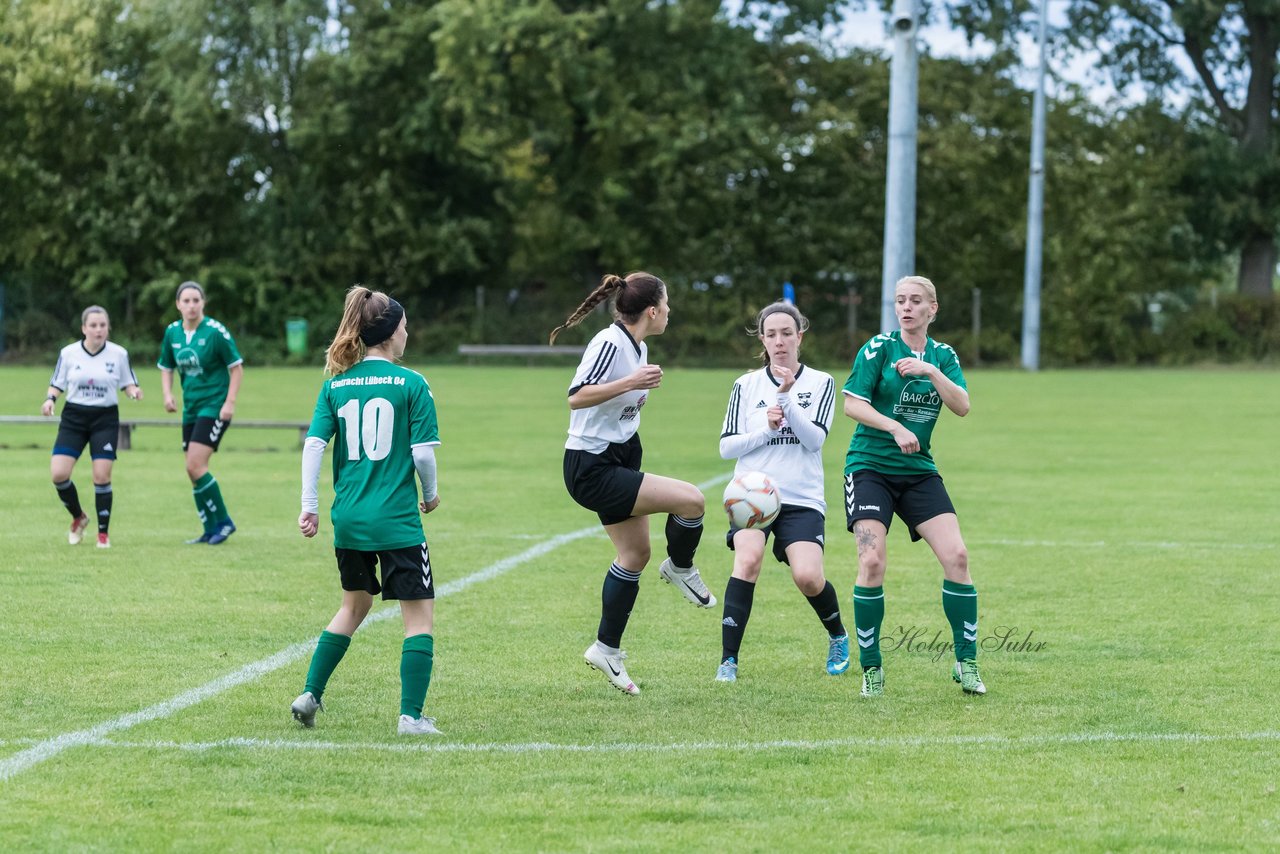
column 889, row 742
column 51, row 747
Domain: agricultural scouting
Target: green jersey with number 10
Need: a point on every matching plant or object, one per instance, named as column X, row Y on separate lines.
column 379, row 412
column 911, row 401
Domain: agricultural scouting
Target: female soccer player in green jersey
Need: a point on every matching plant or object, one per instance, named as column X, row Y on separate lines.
column 204, row 353
column 896, row 390
column 384, row 419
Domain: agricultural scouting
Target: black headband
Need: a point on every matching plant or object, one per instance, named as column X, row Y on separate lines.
column 385, row 326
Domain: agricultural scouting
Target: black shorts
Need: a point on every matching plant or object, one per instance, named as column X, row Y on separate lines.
column 915, row 498
column 406, row 573
column 205, row 431
column 793, row 525
column 607, row 482
column 95, row 426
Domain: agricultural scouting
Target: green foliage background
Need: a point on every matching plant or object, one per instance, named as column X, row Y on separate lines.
column 279, row 153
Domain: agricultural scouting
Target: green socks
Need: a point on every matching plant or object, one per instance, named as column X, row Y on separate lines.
column 209, row 502
column 416, row 657
column 329, row 651
column 415, row 668
column 960, row 604
column 868, row 614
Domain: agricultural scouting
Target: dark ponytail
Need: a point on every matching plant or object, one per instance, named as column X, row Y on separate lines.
column 635, row 293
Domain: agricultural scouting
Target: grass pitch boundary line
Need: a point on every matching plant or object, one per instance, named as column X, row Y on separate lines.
column 51, row 747
column 887, row 742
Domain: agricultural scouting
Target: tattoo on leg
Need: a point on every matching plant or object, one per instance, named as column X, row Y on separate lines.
column 866, row 539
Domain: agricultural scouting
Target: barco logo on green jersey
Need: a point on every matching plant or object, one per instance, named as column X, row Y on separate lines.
column 919, row 401
column 189, row 363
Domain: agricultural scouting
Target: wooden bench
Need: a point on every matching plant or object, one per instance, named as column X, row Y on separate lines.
column 527, row 351
column 127, row 425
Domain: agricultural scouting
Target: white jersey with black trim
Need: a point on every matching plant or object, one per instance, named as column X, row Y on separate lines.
column 611, row 355
column 93, row 379
column 794, row 469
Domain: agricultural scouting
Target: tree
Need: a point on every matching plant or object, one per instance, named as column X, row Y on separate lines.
column 1233, row 46
column 116, row 166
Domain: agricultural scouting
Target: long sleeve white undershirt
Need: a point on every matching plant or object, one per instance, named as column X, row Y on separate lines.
column 811, row 436
column 424, row 460
column 312, row 457
column 738, row 444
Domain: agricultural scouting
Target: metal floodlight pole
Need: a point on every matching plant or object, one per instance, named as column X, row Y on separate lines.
column 1035, row 216
column 900, row 174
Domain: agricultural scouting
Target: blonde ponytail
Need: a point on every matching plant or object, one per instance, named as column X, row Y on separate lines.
column 362, row 307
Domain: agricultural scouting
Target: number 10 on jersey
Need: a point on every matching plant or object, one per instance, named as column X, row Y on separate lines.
column 371, row 429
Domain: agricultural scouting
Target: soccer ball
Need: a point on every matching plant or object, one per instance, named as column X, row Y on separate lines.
column 751, row 500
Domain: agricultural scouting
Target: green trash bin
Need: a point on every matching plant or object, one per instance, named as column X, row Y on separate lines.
column 295, row 336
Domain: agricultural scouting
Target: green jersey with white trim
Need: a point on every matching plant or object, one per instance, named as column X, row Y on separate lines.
column 202, row 359
column 379, row 411
column 911, row 401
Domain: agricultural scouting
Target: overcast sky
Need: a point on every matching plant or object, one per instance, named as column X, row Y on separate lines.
column 867, row 29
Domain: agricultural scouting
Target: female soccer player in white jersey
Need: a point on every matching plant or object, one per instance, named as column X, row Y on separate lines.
column 202, row 350
column 91, row 372
column 602, row 462
column 777, row 421
column 896, row 390
column 384, row 418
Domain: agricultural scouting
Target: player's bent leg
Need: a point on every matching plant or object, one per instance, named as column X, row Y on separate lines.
column 806, row 571
column 660, row 494
column 355, row 606
column 197, row 460
column 330, row 649
column 942, row 533
column 806, row 567
column 631, row 540
column 685, row 504
column 60, row 467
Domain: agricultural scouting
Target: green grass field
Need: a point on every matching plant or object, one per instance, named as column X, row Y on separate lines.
column 1126, row 521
